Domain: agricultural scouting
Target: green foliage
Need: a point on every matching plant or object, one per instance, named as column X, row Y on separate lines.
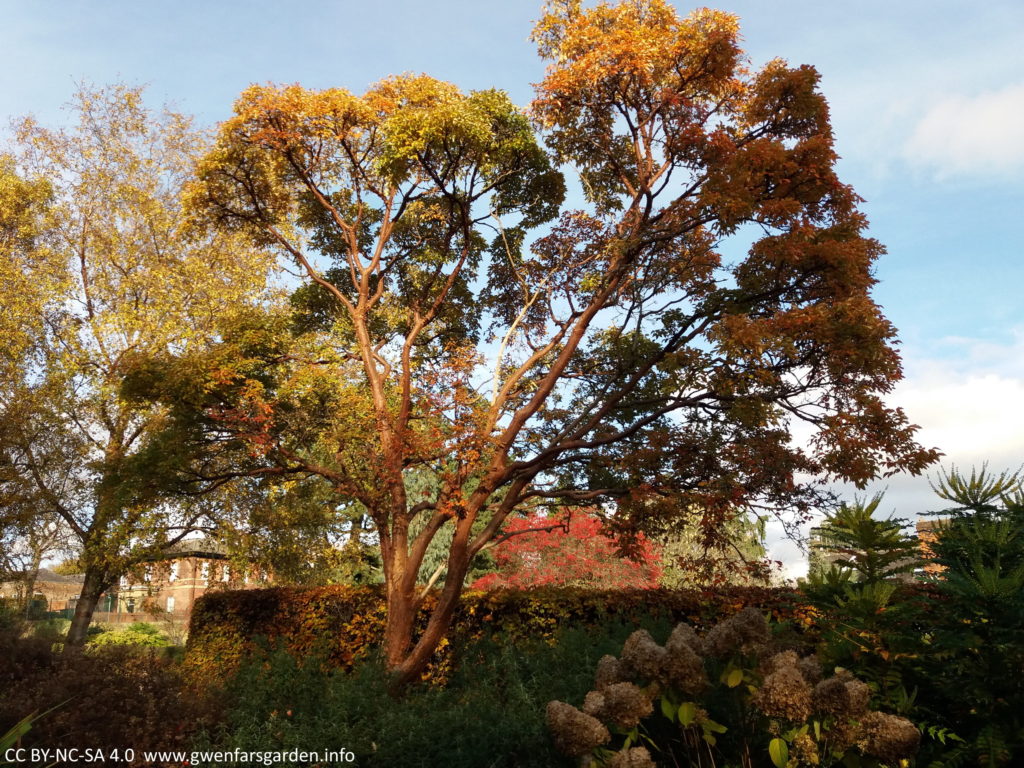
column 733, row 553
column 489, row 713
column 969, row 671
column 872, row 550
column 14, row 735
column 54, row 630
column 139, row 633
column 861, row 595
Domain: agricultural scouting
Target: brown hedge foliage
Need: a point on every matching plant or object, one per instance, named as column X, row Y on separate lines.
column 344, row 624
column 109, row 698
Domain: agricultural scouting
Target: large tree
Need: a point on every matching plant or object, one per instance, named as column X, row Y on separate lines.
column 471, row 330
column 105, row 273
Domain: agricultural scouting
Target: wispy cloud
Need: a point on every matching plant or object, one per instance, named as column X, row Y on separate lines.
column 971, row 135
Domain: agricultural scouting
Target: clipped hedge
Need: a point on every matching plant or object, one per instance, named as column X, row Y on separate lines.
column 345, row 624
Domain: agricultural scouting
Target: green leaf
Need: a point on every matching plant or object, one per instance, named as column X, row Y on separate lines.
column 711, row 725
column 734, row 678
column 668, row 709
column 687, row 713
column 778, row 751
column 817, row 731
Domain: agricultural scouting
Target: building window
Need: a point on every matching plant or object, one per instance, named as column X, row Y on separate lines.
column 173, row 575
column 123, row 581
column 130, row 605
column 225, row 574
column 204, row 571
column 148, row 574
column 170, row 605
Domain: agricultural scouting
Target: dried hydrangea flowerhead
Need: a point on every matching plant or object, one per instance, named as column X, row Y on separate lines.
column 752, row 626
column 624, row 705
column 844, row 733
column 805, row 750
column 637, row 757
column 593, row 704
column 684, row 634
column 842, row 696
column 810, row 668
column 780, row 661
column 746, row 632
column 575, row 733
column 642, row 656
column 683, row 668
column 889, row 737
column 784, row 693
column 609, row 670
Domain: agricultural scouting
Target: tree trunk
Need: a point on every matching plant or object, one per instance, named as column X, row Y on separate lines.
column 92, row 588
column 31, row 575
column 412, row 662
column 398, row 628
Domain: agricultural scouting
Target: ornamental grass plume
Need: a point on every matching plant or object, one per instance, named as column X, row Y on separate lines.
column 575, row 733
column 889, row 737
column 642, row 656
column 637, row 757
column 784, row 693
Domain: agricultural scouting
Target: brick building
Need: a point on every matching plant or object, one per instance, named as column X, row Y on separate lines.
column 164, row 589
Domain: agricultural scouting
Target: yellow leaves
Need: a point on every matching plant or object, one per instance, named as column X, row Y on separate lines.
column 643, row 42
column 289, row 117
column 31, row 276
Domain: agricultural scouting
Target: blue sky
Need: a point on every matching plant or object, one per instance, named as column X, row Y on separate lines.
column 927, row 101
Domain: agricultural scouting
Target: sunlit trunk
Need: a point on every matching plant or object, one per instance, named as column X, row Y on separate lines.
column 92, row 589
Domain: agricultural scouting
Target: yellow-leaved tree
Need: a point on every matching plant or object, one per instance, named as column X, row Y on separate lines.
column 100, row 269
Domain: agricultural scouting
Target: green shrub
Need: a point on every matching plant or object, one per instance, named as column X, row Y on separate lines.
column 54, row 630
column 489, row 713
column 139, row 633
column 948, row 652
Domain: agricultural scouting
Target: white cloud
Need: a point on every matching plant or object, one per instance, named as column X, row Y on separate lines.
column 964, row 135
